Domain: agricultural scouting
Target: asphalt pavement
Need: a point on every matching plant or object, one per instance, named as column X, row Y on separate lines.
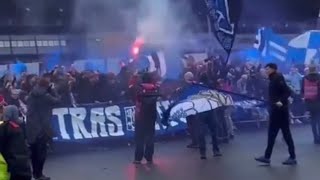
column 173, row 161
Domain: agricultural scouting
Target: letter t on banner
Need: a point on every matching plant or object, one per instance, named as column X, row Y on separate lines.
column 223, row 18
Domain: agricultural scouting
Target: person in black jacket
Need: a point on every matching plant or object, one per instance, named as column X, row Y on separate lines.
column 38, row 127
column 207, row 121
column 310, row 91
column 279, row 93
column 145, row 97
column 13, row 146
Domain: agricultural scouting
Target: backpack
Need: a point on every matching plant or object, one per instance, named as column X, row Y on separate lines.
column 311, row 90
column 149, row 94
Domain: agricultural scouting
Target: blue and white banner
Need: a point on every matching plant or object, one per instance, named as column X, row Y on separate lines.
column 195, row 99
column 198, row 98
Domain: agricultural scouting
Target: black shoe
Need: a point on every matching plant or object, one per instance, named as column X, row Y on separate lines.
column 193, row 146
column 217, row 154
column 203, row 157
column 136, row 162
column 149, row 160
column 231, row 137
column 43, row 177
column 316, row 141
column 290, row 161
column 263, row 160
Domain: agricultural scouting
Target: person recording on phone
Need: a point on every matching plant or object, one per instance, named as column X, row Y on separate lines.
column 39, row 130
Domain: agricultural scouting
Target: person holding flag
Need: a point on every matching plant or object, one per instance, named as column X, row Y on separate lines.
column 206, row 120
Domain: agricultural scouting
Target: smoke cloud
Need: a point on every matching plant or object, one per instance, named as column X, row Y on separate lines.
column 156, row 21
column 161, row 22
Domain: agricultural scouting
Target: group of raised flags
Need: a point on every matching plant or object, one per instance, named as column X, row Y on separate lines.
column 302, row 49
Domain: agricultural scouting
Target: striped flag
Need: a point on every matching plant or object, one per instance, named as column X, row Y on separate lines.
column 272, row 47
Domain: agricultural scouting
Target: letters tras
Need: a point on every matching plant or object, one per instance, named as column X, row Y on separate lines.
column 89, row 123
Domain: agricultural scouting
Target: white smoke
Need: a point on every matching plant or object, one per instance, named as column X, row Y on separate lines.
column 162, row 21
column 157, row 22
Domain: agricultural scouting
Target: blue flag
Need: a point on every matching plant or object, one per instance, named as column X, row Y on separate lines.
column 19, row 68
column 224, row 16
column 53, row 60
column 300, row 50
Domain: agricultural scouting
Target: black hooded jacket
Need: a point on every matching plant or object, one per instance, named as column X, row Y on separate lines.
column 278, row 90
column 40, row 104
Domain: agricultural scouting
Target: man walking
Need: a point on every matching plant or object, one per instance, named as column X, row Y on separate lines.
column 279, row 93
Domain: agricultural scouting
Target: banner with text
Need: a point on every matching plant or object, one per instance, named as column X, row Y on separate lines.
column 97, row 121
column 104, row 121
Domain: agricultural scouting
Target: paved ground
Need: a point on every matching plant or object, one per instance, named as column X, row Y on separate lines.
column 174, row 162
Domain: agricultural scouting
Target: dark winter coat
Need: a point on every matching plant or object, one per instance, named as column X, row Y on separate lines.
column 40, row 104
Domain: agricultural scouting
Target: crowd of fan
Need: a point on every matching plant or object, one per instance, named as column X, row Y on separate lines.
column 88, row 87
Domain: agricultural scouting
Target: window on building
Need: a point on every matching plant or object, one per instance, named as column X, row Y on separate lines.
column 32, row 43
column 26, row 43
column 7, row 44
column 39, row 43
column 20, row 43
column 56, row 43
column 45, row 43
column 63, row 43
column 51, row 44
column 14, row 43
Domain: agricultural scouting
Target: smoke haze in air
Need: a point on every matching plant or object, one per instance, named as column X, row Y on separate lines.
column 157, row 21
column 162, row 21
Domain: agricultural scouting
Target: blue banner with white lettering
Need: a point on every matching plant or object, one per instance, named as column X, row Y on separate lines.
column 95, row 121
column 102, row 120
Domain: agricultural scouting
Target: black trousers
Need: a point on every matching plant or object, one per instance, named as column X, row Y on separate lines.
column 144, row 139
column 222, row 130
column 313, row 108
column 19, row 177
column 38, row 157
column 315, row 125
column 279, row 120
column 192, row 123
column 206, row 121
column 297, row 107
